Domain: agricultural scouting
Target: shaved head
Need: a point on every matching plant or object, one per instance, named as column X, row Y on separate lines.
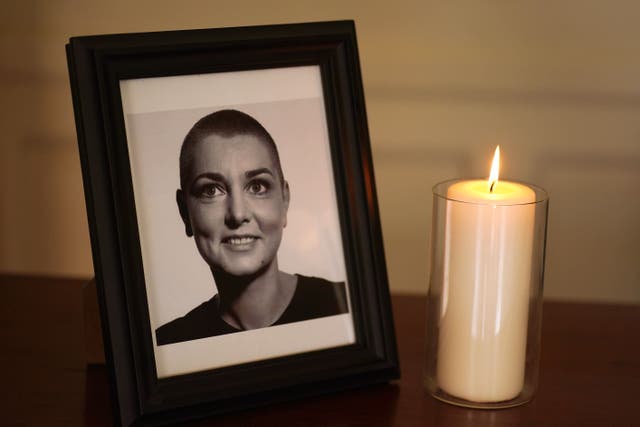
column 224, row 123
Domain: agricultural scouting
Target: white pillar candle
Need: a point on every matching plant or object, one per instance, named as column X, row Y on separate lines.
column 483, row 318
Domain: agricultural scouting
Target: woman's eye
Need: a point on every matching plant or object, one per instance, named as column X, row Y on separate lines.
column 210, row 190
column 258, row 188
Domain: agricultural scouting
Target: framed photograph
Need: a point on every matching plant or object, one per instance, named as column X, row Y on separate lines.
column 233, row 217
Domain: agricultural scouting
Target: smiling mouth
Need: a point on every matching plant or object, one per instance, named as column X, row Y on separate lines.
column 239, row 240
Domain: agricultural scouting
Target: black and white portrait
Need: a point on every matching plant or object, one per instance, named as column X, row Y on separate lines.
column 237, row 216
column 233, row 200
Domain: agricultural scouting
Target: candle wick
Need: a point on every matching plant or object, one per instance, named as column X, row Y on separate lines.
column 491, row 188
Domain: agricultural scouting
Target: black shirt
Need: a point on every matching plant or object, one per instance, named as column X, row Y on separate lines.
column 313, row 298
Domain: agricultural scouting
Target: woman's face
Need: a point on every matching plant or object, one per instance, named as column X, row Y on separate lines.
column 235, row 203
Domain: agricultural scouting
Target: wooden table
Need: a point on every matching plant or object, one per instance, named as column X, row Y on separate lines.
column 590, row 371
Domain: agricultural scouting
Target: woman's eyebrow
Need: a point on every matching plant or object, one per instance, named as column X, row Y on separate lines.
column 211, row 175
column 259, row 171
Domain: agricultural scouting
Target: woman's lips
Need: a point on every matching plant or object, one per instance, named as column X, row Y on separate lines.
column 239, row 240
column 243, row 242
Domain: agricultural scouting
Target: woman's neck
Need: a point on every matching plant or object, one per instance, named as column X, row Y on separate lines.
column 257, row 301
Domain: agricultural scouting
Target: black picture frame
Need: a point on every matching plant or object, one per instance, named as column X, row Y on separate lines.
column 96, row 66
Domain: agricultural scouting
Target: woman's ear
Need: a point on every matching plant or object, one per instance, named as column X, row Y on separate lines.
column 184, row 212
column 286, row 195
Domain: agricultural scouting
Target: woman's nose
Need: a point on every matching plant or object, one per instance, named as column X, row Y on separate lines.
column 237, row 211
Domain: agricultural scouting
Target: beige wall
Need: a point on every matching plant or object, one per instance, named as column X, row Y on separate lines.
column 556, row 84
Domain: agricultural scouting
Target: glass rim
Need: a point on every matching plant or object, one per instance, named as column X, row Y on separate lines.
column 541, row 194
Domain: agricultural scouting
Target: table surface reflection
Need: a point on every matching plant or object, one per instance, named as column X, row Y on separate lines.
column 589, row 373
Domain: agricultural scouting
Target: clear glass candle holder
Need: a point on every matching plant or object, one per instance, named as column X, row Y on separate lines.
column 484, row 306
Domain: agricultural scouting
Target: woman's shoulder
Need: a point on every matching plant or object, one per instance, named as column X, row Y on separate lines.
column 201, row 322
column 318, row 287
column 317, row 297
column 318, row 281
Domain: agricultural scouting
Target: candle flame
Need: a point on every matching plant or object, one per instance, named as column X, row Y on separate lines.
column 495, row 169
